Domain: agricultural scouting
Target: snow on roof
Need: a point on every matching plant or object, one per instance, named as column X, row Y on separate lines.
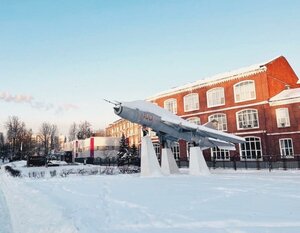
column 222, row 77
column 286, row 95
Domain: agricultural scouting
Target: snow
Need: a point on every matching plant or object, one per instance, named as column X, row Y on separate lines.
column 287, row 94
column 227, row 201
column 222, row 77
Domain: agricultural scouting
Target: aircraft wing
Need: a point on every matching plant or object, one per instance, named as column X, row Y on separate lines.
column 202, row 131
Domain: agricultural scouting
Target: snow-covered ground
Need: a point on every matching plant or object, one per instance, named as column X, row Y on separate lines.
column 225, row 201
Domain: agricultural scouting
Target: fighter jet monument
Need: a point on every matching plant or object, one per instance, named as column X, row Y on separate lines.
column 170, row 127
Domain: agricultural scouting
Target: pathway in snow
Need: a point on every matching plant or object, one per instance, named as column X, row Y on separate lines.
column 5, row 226
column 228, row 202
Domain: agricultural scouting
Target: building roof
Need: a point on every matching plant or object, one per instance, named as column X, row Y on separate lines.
column 222, row 77
column 287, row 95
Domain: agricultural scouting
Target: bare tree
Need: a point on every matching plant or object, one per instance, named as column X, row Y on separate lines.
column 45, row 132
column 1, row 140
column 49, row 137
column 15, row 134
column 84, row 130
column 73, row 132
column 54, row 142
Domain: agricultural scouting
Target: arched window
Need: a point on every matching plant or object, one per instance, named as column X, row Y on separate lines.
column 171, row 105
column 215, row 97
column 191, row 102
column 247, row 119
column 244, row 91
column 195, row 120
column 251, row 149
column 222, row 120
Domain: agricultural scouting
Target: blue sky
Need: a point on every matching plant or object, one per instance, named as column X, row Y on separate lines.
column 60, row 58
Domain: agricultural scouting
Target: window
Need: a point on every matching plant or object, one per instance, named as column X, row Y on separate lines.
column 195, row 120
column 157, row 149
column 283, row 118
column 188, row 147
column 175, row 149
column 244, row 91
column 251, row 149
column 171, row 105
column 191, row 102
column 222, row 120
column 215, row 97
column 247, row 119
column 286, row 147
column 219, row 154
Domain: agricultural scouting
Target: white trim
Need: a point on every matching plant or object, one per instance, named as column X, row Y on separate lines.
column 280, row 148
column 283, row 102
column 220, row 151
column 174, row 106
column 239, row 83
column 251, row 159
column 219, row 78
column 283, row 133
column 238, row 123
column 186, row 98
column 208, row 98
column 283, row 120
column 251, row 132
column 219, row 123
column 192, row 120
column 225, row 109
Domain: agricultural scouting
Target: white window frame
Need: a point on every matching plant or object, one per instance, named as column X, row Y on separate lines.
column 175, row 148
column 251, row 150
column 248, row 119
column 284, row 149
column 157, row 149
column 191, row 102
column 217, row 153
column 188, row 147
column 245, row 93
column 215, row 97
column 222, row 120
column 195, row 120
column 171, row 105
column 283, row 117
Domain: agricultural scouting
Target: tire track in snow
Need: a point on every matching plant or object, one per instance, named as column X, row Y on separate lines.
column 5, row 222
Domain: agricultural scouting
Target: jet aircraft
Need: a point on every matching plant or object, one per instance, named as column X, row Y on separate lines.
column 170, row 127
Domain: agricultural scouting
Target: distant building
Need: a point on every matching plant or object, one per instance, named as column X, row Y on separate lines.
column 260, row 103
column 130, row 130
column 93, row 148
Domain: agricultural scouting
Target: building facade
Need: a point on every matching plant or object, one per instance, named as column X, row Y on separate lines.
column 130, row 130
column 93, row 148
column 260, row 103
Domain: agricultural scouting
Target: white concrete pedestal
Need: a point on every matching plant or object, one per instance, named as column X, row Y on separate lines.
column 198, row 165
column 149, row 162
column 168, row 163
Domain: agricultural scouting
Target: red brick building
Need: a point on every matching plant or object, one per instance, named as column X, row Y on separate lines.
column 260, row 102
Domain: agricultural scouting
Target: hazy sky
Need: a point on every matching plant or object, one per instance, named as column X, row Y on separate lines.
column 60, row 58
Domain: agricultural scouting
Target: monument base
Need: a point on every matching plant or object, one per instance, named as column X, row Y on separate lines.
column 149, row 162
column 168, row 163
column 198, row 165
